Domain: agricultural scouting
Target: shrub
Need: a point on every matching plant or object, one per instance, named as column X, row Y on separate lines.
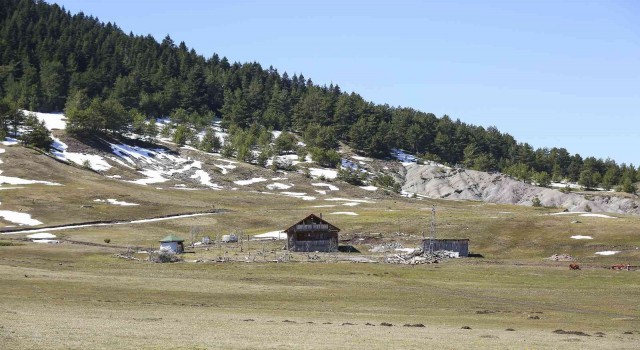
column 350, row 176
column 163, row 257
column 536, row 202
column 107, row 240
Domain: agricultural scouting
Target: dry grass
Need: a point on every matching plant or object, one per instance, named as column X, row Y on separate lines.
column 75, row 297
column 80, row 296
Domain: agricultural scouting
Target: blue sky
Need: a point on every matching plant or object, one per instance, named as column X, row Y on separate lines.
column 550, row 73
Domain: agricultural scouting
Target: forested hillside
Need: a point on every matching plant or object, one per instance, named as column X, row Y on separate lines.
column 108, row 81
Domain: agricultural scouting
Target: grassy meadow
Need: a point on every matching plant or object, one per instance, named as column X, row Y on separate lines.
column 79, row 296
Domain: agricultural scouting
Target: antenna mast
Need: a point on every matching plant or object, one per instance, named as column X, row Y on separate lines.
column 432, row 237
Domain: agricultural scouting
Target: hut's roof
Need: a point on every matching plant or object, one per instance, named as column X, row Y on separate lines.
column 314, row 218
column 171, row 238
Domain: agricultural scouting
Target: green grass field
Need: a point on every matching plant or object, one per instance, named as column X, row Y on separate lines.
column 73, row 295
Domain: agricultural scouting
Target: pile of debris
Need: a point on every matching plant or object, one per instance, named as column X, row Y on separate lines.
column 386, row 247
column 419, row 256
column 560, row 257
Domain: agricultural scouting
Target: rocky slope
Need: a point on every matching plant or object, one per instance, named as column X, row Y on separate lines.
column 441, row 182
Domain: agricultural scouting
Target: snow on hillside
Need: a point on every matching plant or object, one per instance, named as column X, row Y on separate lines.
column 10, row 180
column 115, row 202
column 250, row 181
column 94, row 161
column 403, row 156
column 8, row 141
column 326, row 173
column 53, row 121
column 22, row 219
column 278, row 186
column 431, row 180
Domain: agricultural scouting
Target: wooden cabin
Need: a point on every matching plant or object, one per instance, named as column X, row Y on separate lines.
column 312, row 234
column 460, row 246
column 172, row 244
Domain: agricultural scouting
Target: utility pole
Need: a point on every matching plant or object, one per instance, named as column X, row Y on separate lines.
column 433, row 229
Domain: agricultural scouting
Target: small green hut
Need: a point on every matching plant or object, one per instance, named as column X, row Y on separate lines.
column 172, row 243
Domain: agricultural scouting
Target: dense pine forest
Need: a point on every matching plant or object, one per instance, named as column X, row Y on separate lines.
column 107, row 81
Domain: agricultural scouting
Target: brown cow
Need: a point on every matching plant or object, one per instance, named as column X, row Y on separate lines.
column 574, row 267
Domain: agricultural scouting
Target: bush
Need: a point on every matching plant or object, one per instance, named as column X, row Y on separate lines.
column 587, row 208
column 536, row 202
column 107, row 240
column 163, row 257
column 350, row 176
column 388, row 182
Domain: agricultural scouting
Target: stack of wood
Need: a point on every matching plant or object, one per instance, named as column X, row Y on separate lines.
column 418, row 256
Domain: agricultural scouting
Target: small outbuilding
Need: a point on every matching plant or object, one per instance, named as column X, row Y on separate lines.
column 172, row 243
column 312, row 234
column 460, row 246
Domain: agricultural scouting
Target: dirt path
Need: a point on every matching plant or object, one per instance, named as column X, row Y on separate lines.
column 110, row 223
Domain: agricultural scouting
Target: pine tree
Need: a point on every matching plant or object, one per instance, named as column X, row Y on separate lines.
column 151, row 129
column 210, row 142
column 35, row 133
column 180, row 135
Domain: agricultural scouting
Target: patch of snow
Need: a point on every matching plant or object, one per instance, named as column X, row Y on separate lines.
column 581, row 237
column 51, row 120
column 284, row 159
column 608, row 252
column 271, row 235
column 347, row 164
column 115, row 202
column 300, row 195
column 21, row 219
column 330, row 186
column 344, row 213
column 205, row 179
column 152, row 177
column 327, row 173
column 599, row 216
column 250, row 181
column 18, row 181
column 403, row 156
column 276, row 134
column 43, row 235
column 95, row 161
column 196, row 165
column 349, row 200
column 279, row 186
column 364, row 159
column 224, row 169
column 47, row 241
column 324, row 206
column 564, row 185
column 351, row 204
column 9, row 141
column 322, row 192
column 369, row 188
